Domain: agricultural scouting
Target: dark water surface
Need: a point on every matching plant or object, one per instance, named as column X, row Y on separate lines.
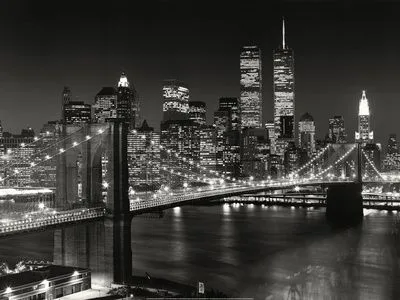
column 254, row 251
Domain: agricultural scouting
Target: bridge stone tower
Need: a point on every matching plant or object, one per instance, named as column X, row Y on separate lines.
column 102, row 246
column 344, row 200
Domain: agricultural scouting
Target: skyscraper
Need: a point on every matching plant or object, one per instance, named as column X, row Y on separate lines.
column 104, row 106
column 221, row 127
column 176, row 100
column 255, row 152
column 292, row 158
column 232, row 105
column 144, row 157
column 44, row 174
column 179, row 137
column 270, row 127
column 65, row 99
column 207, row 147
column 364, row 135
column 392, row 158
column 307, row 134
column 77, row 112
column 284, row 100
column 197, row 112
column 227, row 126
column 250, row 87
column 336, row 131
column 17, row 169
column 127, row 106
column 392, row 147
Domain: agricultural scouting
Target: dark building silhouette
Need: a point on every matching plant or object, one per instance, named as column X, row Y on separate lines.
column 336, row 131
column 77, row 112
column 307, row 134
column 105, row 105
column 127, row 102
column 65, row 99
column 255, row 152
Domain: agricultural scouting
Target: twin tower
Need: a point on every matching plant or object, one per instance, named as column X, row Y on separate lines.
column 283, row 88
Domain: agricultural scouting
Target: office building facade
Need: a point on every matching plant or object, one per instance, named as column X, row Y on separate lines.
column 175, row 100
column 105, row 105
column 251, row 87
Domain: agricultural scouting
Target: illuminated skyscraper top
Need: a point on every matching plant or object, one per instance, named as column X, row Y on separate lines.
column 284, row 104
column 123, row 81
column 127, row 102
column 363, row 109
column 176, row 100
column 364, row 135
column 250, row 87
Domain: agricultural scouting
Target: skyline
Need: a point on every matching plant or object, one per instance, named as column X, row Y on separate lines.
column 218, row 75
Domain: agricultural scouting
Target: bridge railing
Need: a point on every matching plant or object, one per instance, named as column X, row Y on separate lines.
column 37, row 221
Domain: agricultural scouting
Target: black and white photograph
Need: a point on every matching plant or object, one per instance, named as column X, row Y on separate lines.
column 199, row 149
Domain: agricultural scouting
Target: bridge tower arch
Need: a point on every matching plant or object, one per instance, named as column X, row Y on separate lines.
column 103, row 246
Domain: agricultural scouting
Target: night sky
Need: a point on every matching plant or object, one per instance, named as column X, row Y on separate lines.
column 340, row 49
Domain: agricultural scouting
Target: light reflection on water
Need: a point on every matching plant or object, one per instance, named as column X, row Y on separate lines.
column 275, row 252
column 260, row 252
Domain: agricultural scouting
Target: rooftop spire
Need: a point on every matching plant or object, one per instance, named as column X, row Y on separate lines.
column 364, row 107
column 283, row 33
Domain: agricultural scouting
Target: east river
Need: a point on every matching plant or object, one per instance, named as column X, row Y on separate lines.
column 258, row 252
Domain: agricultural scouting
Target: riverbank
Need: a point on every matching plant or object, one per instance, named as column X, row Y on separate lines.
column 142, row 287
column 163, row 284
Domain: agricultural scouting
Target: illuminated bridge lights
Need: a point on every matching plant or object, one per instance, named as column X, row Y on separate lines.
column 60, row 151
column 372, row 164
column 7, row 226
column 311, row 161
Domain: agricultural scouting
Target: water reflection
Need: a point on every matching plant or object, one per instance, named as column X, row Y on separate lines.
column 177, row 211
column 286, row 253
column 226, row 208
column 258, row 252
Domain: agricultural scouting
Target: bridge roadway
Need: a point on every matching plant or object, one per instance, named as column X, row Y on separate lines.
column 19, row 222
column 37, row 221
column 41, row 220
column 161, row 203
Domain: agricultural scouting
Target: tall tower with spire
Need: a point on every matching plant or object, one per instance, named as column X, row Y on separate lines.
column 364, row 135
column 284, row 100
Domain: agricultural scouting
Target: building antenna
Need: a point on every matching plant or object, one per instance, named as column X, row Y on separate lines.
column 283, row 33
